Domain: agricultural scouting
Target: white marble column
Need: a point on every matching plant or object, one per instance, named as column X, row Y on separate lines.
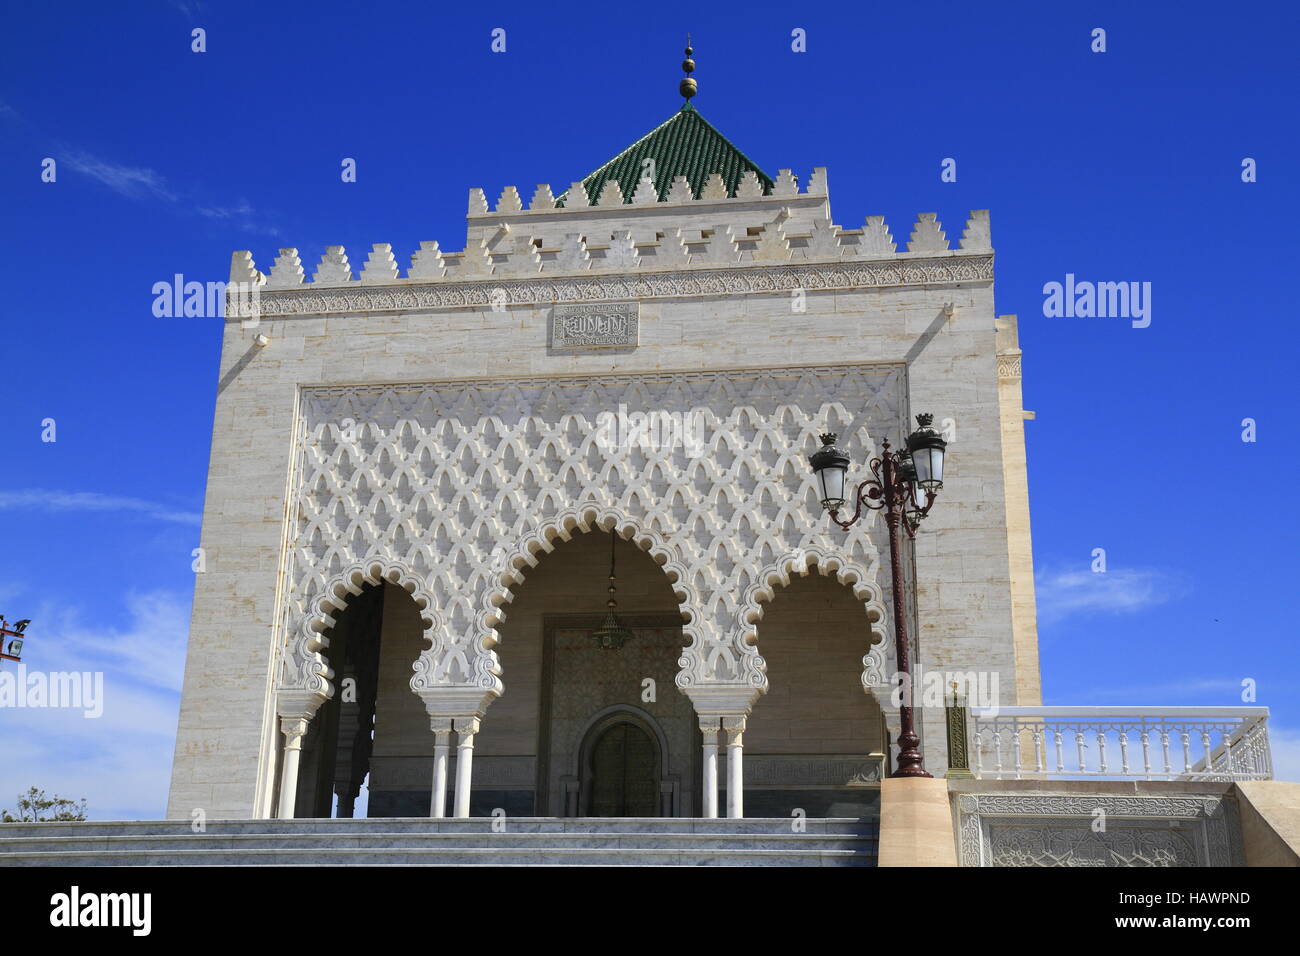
column 466, row 728
column 441, row 727
column 709, row 728
column 735, row 728
column 294, row 729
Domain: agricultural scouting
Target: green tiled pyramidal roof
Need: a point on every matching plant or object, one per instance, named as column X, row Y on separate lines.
column 686, row 144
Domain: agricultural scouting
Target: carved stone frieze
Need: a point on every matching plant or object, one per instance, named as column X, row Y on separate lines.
column 741, row 280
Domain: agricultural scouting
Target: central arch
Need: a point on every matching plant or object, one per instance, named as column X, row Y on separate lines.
column 533, row 751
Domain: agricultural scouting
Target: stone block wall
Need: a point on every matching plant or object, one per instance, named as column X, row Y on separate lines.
column 941, row 332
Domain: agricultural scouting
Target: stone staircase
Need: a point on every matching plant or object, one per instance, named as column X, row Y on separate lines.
column 524, row 841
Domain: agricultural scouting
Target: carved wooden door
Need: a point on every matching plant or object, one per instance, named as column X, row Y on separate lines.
column 624, row 781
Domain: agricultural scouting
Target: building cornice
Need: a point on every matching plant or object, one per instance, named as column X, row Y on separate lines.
column 759, row 279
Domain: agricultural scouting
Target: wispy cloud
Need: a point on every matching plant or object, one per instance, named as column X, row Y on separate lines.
column 227, row 212
column 149, row 650
column 187, row 7
column 120, row 761
column 1217, row 692
column 144, row 183
column 242, row 215
column 134, row 182
column 35, row 499
column 1064, row 594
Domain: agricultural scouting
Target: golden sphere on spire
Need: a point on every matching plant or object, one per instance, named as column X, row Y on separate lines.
column 688, row 86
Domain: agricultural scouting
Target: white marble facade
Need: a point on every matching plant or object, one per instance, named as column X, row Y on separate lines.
column 444, row 430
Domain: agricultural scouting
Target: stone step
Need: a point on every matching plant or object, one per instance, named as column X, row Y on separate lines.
column 485, row 856
column 525, row 841
column 380, row 840
column 721, row 826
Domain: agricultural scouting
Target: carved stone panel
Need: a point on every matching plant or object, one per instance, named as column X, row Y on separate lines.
column 1055, row 829
column 588, row 325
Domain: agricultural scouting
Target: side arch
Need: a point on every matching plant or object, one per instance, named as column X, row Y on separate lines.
column 802, row 561
column 305, row 670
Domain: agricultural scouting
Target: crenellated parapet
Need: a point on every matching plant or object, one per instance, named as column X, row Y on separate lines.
column 573, row 235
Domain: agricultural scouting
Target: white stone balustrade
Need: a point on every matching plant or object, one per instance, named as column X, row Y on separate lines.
column 1109, row 743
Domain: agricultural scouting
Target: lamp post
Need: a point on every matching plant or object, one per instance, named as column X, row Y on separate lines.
column 13, row 650
column 898, row 481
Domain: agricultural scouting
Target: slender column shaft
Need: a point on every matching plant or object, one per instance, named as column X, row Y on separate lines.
column 709, row 728
column 294, row 729
column 441, row 749
column 466, row 728
column 735, row 728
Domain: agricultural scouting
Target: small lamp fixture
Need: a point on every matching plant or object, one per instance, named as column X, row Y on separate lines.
column 926, row 448
column 611, row 635
column 830, row 465
column 13, row 650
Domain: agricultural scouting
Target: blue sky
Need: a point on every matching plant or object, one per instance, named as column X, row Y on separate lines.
column 1115, row 166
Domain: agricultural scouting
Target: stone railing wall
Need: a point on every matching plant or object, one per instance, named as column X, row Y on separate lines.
column 1134, row 743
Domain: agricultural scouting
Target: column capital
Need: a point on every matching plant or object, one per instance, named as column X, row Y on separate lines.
column 455, row 700
column 710, row 725
column 441, row 726
column 297, row 704
column 722, row 700
column 735, row 728
column 466, row 726
column 294, row 729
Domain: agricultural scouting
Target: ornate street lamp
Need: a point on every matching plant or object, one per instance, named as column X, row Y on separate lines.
column 898, row 483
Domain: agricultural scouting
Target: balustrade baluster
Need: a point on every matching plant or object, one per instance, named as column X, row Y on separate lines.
column 1241, row 754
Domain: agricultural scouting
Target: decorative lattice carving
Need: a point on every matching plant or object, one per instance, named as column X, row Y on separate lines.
column 454, row 490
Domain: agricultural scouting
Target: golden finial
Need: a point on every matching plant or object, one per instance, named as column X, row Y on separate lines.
column 687, row 86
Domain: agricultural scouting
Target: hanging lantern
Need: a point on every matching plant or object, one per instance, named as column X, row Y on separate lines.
column 611, row 635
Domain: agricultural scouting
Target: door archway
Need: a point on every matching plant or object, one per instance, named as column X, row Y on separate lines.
column 622, row 766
